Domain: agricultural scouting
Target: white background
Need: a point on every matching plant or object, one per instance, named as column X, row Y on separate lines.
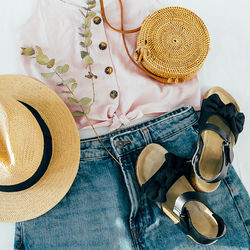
column 227, row 65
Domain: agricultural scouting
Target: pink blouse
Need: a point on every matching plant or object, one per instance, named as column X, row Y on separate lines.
column 121, row 96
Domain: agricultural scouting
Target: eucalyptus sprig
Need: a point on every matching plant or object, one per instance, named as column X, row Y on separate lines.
column 69, row 83
column 43, row 59
column 86, row 33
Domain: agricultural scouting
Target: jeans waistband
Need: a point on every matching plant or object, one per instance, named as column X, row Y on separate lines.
column 132, row 138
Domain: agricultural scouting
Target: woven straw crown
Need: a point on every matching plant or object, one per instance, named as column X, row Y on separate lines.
column 21, row 142
column 39, row 148
column 173, row 43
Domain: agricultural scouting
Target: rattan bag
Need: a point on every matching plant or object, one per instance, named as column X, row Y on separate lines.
column 172, row 44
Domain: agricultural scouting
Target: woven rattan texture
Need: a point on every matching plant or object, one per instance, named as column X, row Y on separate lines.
column 173, row 43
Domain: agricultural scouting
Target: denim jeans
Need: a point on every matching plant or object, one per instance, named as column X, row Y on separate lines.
column 105, row 208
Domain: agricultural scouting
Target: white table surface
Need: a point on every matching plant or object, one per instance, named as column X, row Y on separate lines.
column 227, row 65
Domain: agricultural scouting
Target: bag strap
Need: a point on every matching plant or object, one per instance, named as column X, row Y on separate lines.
column 123, row 32
column 106, row 21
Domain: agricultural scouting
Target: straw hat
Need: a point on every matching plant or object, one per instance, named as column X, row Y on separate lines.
column 39, row 148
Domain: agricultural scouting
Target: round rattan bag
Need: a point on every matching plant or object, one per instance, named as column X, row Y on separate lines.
column 173, row 43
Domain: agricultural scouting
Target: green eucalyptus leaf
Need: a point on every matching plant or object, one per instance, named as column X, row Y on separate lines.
column 48, row 75
column 87, row 22
column 69, row 80
column 28, row 51
column 87, row 110
column 82, row 44
column 84, row 101
column 88, row 60
column 42, row 59
column 72, row 100
column 39, row 50
column 87, row 32
column 77, row 113
column 73, row 86
column 87, row 42
column 91, row 14
column 91, row 6
column 66, row 92
column 65, row 68
column 87, row 25
column 59, row 69
column 83, row 54
column 89, row 35
column 62, row 69
column 90, row 2
column 51, row 63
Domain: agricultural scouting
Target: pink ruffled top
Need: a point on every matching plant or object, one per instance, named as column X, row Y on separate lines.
column 121, row 96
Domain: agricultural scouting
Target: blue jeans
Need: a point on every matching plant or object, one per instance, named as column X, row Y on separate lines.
column 105, row 208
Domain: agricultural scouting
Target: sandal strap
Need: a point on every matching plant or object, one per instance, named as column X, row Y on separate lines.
column 172, row 169
column 186, row 224
column 216, row 129
column 227, row 153
column 228, row 113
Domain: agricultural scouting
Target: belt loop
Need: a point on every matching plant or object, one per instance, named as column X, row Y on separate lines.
column 146, row 135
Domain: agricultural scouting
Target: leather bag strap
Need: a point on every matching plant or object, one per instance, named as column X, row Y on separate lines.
column 123, row 32
column 106, row 21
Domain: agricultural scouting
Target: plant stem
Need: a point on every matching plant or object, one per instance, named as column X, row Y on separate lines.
column 101, row 140
column 92, row 81
column 58, row 75
column 93, row 84
column 92, row 126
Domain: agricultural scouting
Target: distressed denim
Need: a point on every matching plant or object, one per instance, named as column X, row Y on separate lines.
column 105, row 208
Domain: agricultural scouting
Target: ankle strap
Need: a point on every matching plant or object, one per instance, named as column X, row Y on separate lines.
column 227, row 153
column 186, row 224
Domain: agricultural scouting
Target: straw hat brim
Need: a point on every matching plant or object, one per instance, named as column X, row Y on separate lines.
column 64, row 164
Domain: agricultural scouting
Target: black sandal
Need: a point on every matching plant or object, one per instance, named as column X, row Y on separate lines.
column 219, row 126
column 161, row 176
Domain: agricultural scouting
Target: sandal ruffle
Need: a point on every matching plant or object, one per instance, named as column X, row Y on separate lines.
column 171, row 170
column 227, row 112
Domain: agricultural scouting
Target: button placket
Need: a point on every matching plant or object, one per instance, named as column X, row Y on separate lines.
column 107, row 71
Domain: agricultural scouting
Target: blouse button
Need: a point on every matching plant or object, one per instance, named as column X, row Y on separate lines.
column 108, row 70
column 97, row 20
column 102, row 45
column 113, row 94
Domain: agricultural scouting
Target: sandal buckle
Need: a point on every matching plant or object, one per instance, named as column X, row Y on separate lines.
column 228, row 150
